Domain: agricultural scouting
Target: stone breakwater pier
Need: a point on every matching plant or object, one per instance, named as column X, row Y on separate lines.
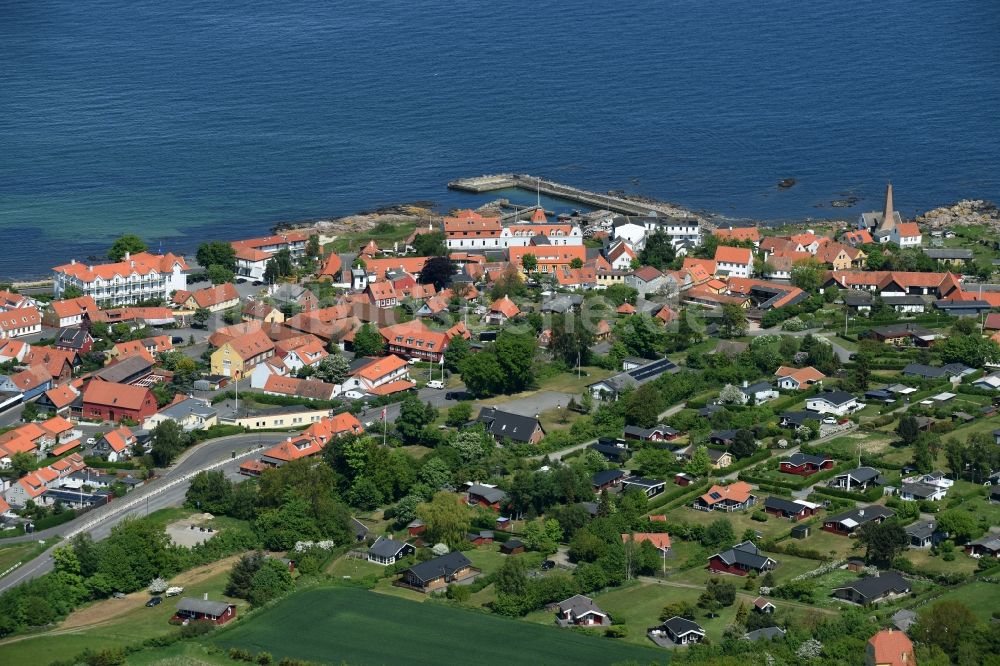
column 613, row 202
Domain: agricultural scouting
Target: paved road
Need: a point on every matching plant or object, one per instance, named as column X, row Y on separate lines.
column 208, row 453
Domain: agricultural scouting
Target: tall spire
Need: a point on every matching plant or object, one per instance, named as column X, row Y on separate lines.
column 888, row 214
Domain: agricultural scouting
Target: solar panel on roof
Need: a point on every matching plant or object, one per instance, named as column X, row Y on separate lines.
column 715, row 495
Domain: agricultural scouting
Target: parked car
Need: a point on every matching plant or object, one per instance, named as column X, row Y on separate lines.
column 91, row 441
column 435, row 384
column 547, row 565
column 458, row 395
column 118, row 595
column 830, row 420
column 155, row 601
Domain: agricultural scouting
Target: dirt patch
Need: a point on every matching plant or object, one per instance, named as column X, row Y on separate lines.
column 111, row 609
column 191, row 531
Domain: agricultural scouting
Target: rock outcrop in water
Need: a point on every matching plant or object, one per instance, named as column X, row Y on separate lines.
column 965, row 213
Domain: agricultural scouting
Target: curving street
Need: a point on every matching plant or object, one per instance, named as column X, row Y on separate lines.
column 165, row 491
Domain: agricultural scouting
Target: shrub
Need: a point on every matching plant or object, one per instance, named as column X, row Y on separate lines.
column 195, row 629
column 264, row 658
column 239, row 654
column 759, row 516
column 616, row 631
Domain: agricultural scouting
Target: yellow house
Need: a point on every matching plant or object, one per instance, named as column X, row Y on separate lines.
column 264, row 418
column 214, row 299
column 239, row 356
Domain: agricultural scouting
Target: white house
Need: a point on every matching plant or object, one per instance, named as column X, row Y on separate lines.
column 19, row 322
column 263, row 371
column 680, row 230
column 372, row 374
column 137, row 278
column 251, row 262
column 839, row 403
column 733, row 261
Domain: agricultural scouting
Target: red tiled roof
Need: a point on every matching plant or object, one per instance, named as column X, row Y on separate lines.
column 19, row 318
column 908, row 229
column 733, row 255
column 71, row 307
column 332, row 266
column 738, row 491
column 892, row 648
column 380, row 367
column 659, row 539
column 738, row 233
column 114, row 395
column 505, row 306
column 142, row 263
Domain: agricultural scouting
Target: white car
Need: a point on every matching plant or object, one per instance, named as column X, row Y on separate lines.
column 830, row 420
column 91, row 441
column 412, row 361
column 435, row 384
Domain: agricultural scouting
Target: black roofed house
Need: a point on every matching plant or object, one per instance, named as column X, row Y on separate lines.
column 969, row 308
column 607, row 478
column 949, row 255
column 658, row 433
column 857, row 299
column 919, row 492
column 797, row 420
column 881, row 395
column 904, row 619
column 873, row 589
column 480, row 538
column 924, row 534
column 437, row 573
column 741, row 559
column 512, row 547
column 847, row 522
column 952, row 371
column 859, row 478
column 839, row 403
column 506, row 425
column 987, row 546
column 804, row 464
column 651, row 487
column 720, row 459
column 612, row 387
column 906, row 303
column 722, row 437
column 389, row 551
column 489, row 497
column 766, row 634
column 216, row 612
column 359, row 530
column 793, row 509
column 757, row 393
column 900, row 334
column 580, row 611
column 678, row 631
column 707, row 411
column 616, row 451
column 76, row 340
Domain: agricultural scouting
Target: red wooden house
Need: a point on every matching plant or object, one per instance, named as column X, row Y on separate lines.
column 803, row 464
column 784, row 508
column 486, row 496
column 203, row 610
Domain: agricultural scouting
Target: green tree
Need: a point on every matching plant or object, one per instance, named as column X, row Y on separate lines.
column 807, row 275
column 516, row 356
column 29, row 412
column 529, row 263
column 744, row 444
column 620, row 294
column 168, row 440
column 413, row 417
column 883, row 541
column 437, row 271
column 571, row 340
column 640, row 336
column 700, row 464
column 430, row 244
column 332, row 369
column 242, row 573
column 734, row 321
column 447, row 520
column 946, row 624
column 127, row 243
column 456, row 352
column 922, row 458
column 200, row 317
column 313, row 249
column 473, row 444
column 542, row 535
column 908, row 429
column 576, row 262
column 459, row 414
column 217, row 253
column 270, row 581
column 368, row 341
column 960, row 525
column 972, row 350
column 22, row 462
column 658, row 251
column 719, row 534
column 218, row 274
column 210, row 491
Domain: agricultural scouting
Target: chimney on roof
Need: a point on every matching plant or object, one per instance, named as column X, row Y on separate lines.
column 861, row 513
column 72, row 262
column 888, row 214
column 128, row 255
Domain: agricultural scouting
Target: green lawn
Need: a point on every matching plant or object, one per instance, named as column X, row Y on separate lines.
column 384, row 235
column 20, row 552
column 332, row 625
column 983, row 599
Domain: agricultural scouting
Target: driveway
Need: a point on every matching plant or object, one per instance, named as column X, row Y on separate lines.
column 534, row 404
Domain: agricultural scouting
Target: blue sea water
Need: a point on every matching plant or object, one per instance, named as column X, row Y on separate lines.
column 187, row 120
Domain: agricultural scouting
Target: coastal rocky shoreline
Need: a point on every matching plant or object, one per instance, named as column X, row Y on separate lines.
column 965, row 213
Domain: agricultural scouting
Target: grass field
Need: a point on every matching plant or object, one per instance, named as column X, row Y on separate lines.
column 983, row 599
column 20, row 552
column 332, row 625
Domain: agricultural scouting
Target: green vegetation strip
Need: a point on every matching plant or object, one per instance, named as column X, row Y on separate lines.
column 361, row 627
